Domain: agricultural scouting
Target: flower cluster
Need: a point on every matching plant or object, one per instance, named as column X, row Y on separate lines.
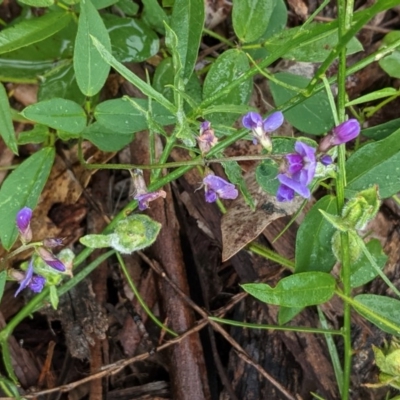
column 33, row 281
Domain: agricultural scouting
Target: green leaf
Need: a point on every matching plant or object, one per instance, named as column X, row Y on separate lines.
column 61, row 114
column 121, row 116
column 6, row 124
column 228, row 67
column 362, row 271
column 132, row 78
column 3, row 279
column 378, row 94
column 90, row 69
column 375, row 163
column 131, row 39
column 298, row 290
column 391, row 64
column 313, row 115
column 382, row 131
column 286, row 314
column 38, row 134
column 60, row 82
column 99, row 4
column 251, row 17
column 276, row 24
column 22, row 188
column 33, row 30
column 154, row 15
column 187, row 22
column 38, row 3
column 382, row 311
column 314, row 237
column 266, row 174
column 106, row 139
column 54, row 300
column 128, row 7
column 164, row 76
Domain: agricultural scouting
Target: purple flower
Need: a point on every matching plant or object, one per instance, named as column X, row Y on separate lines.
column 302, row 164
column 145, row 198
column 50, row 259
column 34, row 282
column 342, row 133
column 207, row 138
column 216, row 187
column 261, row 128
column 294, row 185
column 23, row 221
column 284, row 193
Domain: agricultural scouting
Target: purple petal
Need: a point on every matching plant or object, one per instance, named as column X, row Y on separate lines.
column 326, row 160
column 52, row 242
column 25, row 282
column 204, row 126
column 252, row 120
column 346, row 131
column 273, row 121
column 305, row 151
column 295, row 162
column 23, row 219
column 229, row 192
column 210, row 196
column 284, row 193
column 145, row 198
column 298, row 187
column 50, row 259
column 214, row 182
column 37, row 283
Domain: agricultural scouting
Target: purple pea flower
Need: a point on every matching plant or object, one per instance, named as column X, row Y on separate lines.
column 340, row 134
column 34, row 282
column 145, row 198
column 302, row 163
column 261, row 128
column 284, row 193
column 50, row 259
column 293, row 184
column 23, row 221
column 216, row 187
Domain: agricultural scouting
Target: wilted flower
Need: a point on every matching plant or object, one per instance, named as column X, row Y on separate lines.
column 52, row 242
column 342, row 133
column 23, row 221
column 262, row 128
column 145, row 198
column 50, row 259
column 207, row 138
column 34, row 282
column 216, row 187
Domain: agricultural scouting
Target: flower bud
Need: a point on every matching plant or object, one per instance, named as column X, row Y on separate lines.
column 50, row 259
column 23, row 221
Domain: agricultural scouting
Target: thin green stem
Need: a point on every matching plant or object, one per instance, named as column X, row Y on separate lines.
column 345, row 13
column 276, row 327
column 218, row 37
column 270, row 255
column 315, row 13
column 140, row 299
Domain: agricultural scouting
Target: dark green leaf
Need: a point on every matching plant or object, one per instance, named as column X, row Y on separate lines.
column 90, row 69
column 6, row 124
column 299, row 290
column 61, row 114
column 251, row 17
column 131, row 39
column 313, row 240
column 60, row 82
column 382, row 131
column 154, row 15
column 106, row 139
column 226, row 69
column 22, row 188
column 121, row 116
column 375, row 163
column 3, row 279
column 187, row 22
column 128, row 7
column 313, row 115
column 362, row 271
column 266, row 174
column 382, row 311
column 391, row 64
column 32, row 30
